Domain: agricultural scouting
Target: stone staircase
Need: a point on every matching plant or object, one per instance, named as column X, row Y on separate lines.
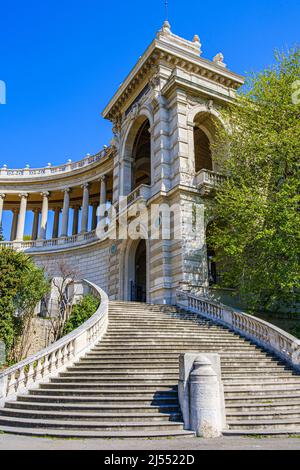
column 126, row 386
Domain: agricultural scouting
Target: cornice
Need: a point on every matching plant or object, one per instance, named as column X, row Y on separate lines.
column 168, row 53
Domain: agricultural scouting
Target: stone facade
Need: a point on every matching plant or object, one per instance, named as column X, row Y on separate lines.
column 164, row 118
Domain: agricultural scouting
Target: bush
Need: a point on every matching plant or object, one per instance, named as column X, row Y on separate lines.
column 22, row 285
column 81, row 312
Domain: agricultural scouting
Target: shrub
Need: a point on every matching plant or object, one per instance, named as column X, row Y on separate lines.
column 81, row 312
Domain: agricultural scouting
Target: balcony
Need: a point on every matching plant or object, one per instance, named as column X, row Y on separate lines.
column 207, row 181
column 141, row 193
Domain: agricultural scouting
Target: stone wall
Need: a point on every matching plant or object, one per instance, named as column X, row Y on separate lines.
column 91, row 262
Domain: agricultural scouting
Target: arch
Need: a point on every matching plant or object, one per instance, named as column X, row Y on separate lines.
column 213, row 273
column 128, row 274
column 137, row 151
column 202, row 122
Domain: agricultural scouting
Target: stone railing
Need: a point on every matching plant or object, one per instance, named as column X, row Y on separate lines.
column 141, row 192
column 59, row 355
column 49, row 170
column 269, row 336
column 207, row 180
column 79, row 239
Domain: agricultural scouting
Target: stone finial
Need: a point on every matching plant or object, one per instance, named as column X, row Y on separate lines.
column 166, row 27
column 196, row 41
column 219, row 59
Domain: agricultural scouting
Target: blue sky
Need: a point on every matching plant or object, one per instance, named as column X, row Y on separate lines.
column 63, row 60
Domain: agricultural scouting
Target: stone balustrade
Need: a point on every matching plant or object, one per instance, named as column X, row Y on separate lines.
column 141, row 192
column 53, row 170
column 59, row 355
column 53, row 243
column 207, row 180
column 269, row 336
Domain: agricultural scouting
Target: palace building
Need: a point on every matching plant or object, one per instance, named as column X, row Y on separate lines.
column 164, row 119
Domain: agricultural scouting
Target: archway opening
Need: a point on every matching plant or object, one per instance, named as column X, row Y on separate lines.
column 138, row 288
column 141, row 167
column 212, row 267
column 203, row 156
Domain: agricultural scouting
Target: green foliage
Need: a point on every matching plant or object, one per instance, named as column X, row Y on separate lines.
column 81, row 312
column 256, row 232
column 22, row 285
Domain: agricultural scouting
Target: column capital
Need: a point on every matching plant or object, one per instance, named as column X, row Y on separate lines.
column 85, row 185
column 23, row 195
column 103, row 178
column 66, row 190
column 2, row 196
column 45, row 194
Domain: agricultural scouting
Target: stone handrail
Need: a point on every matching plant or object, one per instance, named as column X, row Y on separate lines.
column 211, row 178
column 50, row 361
column 141, row 192
column 80, row 238
column 53, row 170
column 269, row 336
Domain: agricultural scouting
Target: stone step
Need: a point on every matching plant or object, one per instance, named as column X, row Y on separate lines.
column 85, row 416
column 107, row 390
column 257, row 409
column 134, row 405
column 265, row 432
column 260, row 424
column 251, row 400
column 100, row 386
column 86, row 425
column 120, row 434
column 170, row 365
column 259, row 390
column 164, row 379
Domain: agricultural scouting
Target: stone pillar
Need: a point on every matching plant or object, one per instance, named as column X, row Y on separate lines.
column 85, row 208
column 94, row 216
column 65, row 213
column 56, row 222
column 44, row 218
column 2, row 197
column 205, row 400
column 75, row 219
column 102, row 196
column 35, row 225
column 126, row 176
column 14, row 224
column 22, row 216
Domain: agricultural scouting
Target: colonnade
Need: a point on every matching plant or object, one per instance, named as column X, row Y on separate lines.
column 41, row 214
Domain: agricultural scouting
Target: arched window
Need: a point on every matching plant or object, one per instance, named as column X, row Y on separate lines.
column 141, row 171
column 203, row 158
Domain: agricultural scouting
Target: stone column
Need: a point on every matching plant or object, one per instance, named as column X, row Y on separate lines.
column 65, row 213
column 75, row 219
column 85, row 208
column 102, row 196
column 14, row 224
column 22, row 216
column 56, row 222
column 2, row 197
column 94, row 216
column 44, row 218
column 35, row 225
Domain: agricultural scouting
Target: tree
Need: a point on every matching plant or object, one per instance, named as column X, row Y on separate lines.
column 256, row 228
column 62, row 296
column 22, row 285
